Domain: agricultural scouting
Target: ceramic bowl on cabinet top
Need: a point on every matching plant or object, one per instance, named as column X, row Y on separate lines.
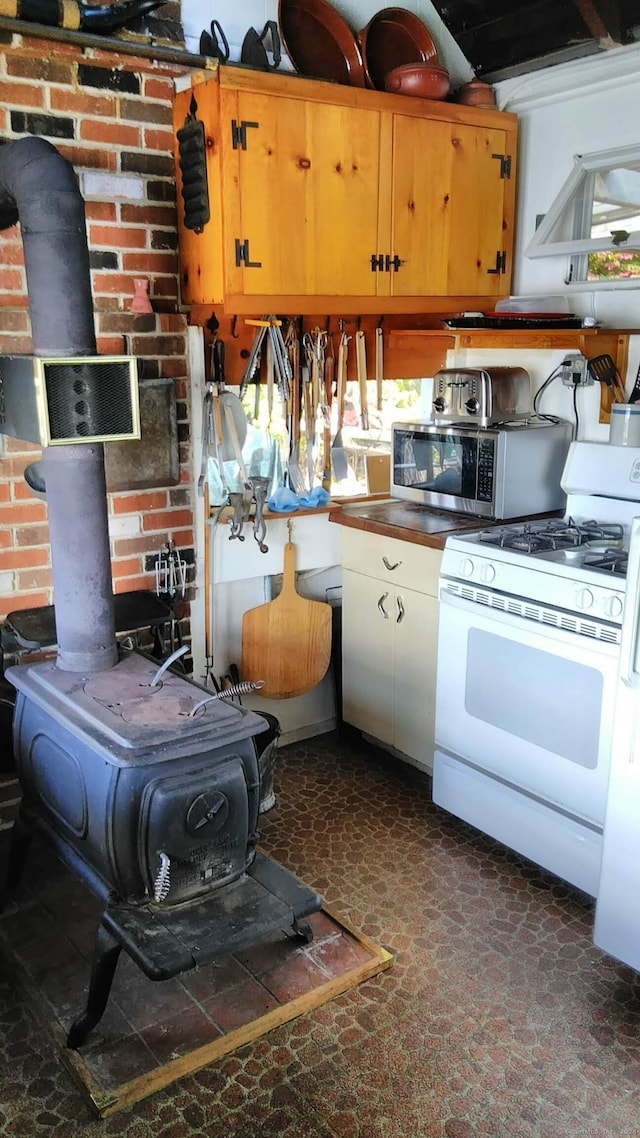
column 424, row 80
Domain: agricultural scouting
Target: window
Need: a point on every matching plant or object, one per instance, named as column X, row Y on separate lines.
column 596, row 219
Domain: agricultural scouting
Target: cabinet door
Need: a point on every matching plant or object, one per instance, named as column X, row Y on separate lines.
column 302, row 197
column 421, row 190
column 448, row 209
column 480, row 233
column 368, row 654
column 414, row 682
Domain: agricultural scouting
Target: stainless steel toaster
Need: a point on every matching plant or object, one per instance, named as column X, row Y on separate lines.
column 484, row 396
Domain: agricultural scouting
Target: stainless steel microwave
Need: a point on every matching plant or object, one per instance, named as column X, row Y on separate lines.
column 510, row 471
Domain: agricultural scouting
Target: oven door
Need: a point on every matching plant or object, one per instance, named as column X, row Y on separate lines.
column 528, row 702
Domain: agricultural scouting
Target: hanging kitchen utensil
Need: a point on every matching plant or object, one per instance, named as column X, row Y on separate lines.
column 379, row 367
column 338, row 454
column 361, row 364
column 287, row 641
column 254, row 51
column 603, row 369
column 228, row 402
column 329, row 368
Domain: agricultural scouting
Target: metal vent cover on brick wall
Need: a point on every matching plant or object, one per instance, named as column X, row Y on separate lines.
column 55, row 402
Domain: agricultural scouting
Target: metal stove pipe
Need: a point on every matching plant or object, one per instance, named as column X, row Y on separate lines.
column 38, row 188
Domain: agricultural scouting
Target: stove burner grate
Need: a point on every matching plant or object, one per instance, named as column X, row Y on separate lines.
column 561, row 533
column 607, row 560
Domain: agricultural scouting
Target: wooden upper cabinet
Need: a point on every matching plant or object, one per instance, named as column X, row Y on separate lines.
column 332, row 199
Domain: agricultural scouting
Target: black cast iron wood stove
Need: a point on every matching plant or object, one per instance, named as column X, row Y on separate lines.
column 147, row 786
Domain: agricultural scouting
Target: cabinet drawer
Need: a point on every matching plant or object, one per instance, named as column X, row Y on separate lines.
column 399, row 563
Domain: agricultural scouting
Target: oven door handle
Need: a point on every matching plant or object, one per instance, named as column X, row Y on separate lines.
column 629, row 646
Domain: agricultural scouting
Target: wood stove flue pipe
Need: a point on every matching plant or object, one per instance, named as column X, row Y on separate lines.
column 39, row 189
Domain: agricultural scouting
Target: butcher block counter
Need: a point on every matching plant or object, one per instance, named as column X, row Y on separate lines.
column 406, row 521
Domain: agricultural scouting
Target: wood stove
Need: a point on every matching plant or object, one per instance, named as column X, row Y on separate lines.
column 149, row 790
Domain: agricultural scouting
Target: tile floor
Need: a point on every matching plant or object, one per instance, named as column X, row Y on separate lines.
column 499, row 1017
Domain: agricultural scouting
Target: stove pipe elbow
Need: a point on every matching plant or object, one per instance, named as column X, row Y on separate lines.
column 39, row 189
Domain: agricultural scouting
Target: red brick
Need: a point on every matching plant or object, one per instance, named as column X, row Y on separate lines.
column 32, row 535
column 14, row 320
column 46, row 70
column 82, row 104
column 113, row 282
column 26, row 558
column 158, row 345
column 111, row 345
column 97, row 130
column 13, row 300
column 20, row 345
column 150, row 262
column 4, row 492
column 88, row 159
column 127, row 546
column 128, row 568
column 149, row 214
column 22, row 95
column 117, row 237
column 136, row 503
column 22, row 513
column 173, row 368
column 34, row 579
column 159, row 140
column 159, row 89
column 132, row 584
column 100, row 211
column 168, row 520
column 12, row 280
column 173, row 322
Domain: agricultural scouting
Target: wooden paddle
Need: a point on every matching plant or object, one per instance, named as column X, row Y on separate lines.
column 287, row 642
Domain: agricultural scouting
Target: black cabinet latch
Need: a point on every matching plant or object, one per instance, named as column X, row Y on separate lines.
column 239, row 133
column 501, row 262
column 377, row 262
column 392, row 264
column 505, row 164
column 243, row 257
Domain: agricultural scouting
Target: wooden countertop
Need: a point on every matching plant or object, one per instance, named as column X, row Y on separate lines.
column 406, row 521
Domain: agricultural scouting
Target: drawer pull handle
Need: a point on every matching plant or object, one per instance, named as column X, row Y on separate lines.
column 381, row 609
column 387, row 564
column 400, row 616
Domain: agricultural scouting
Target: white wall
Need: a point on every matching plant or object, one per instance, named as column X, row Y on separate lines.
column 576, row 108
column 236, row 18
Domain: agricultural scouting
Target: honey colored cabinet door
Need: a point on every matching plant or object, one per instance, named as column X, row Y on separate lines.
column 301, row 197
column 480, row 228
column 448, row 203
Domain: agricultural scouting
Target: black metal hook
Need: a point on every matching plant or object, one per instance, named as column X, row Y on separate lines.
column 234, row 325
column 380, row 322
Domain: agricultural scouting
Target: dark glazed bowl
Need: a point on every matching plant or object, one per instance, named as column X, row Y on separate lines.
column 423, row 80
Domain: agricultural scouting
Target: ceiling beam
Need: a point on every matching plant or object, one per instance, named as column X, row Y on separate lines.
column 603, row 19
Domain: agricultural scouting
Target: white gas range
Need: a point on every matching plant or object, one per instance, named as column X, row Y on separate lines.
column 529, row 639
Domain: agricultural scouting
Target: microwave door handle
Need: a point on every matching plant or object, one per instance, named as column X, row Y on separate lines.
column 629, row 646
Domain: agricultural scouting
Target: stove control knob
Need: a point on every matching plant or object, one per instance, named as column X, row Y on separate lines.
column 473, row 406
column 439, row 404
column 467, row 567
column 488, row 574
column 585, row 599
column 614, row 607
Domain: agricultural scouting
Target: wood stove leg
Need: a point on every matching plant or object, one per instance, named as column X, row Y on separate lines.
column 21, row 836
column 105, row 958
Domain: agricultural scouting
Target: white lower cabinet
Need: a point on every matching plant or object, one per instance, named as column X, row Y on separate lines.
column 389, row 642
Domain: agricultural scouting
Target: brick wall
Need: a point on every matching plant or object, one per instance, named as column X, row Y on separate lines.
column 111, row 117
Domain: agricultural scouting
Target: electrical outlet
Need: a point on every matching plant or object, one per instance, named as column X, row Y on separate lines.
column 575, row 372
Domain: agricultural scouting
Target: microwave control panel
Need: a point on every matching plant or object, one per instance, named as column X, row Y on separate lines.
column 486, row 450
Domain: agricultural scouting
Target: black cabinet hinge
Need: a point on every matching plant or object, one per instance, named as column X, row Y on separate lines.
column 239, row 133
column 377, row 262
column 501, row 262
column 392, row 264
column 243, row 257
column 505, row 164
